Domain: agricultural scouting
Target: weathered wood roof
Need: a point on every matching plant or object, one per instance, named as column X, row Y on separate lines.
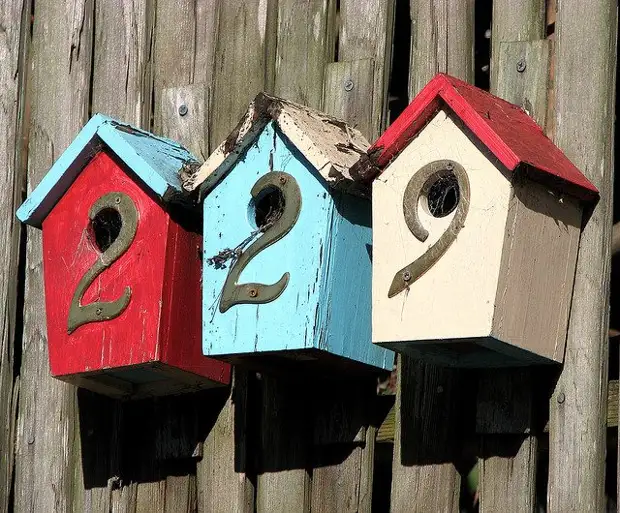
column 157, row 161
column 506, row 130
column 330, row 144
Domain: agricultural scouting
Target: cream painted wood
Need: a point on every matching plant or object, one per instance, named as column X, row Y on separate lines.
column 538, row 270
column 456, row 296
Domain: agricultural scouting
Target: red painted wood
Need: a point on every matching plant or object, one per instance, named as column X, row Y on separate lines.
column 505, row 129
column 144, row 332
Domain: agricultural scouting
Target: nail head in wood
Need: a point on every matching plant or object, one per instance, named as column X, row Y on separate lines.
column 182, row 109
column 521, row 65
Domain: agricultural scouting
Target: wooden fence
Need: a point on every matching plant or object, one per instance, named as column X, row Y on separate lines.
column 271, row 444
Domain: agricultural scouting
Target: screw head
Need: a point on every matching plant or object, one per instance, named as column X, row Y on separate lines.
column 348, row 85
column 98, row 311
column 182, row 109
column 253, row 292
column 407, row 276
column 283, row 180
column 521, row 65
column 117, row 200
column 440, row 389
column 449, row 166
column 561, row 397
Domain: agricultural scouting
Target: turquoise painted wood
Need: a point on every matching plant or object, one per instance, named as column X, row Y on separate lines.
column 326, row 305
column 156, row 160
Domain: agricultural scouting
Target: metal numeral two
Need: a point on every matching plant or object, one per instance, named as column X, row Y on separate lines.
column 417, row 186
column 80, row 314
column 257, row 293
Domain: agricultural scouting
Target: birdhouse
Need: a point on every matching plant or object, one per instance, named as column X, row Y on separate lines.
column 122, row 265
column 287, row 243
column 477, row 217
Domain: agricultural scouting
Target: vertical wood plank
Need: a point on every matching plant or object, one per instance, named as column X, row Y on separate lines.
column 122, row 73
column 123, row 41
column 245, row 57
column 514, row 20
column 423, row 474
column 305, row 45
column 361, row 39
column 14, row 34
column 439, row 29
column 586, row 38
column 48, row 472
column 336, row 486
column 184, row 48
column 283, row 482
column 348, row 85
column 508, row 459
column 224, row 480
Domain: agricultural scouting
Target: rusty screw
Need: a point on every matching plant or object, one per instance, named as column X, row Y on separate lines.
column 182, row 109
column 253, row 292
column 561, row 397
column 283, row 180
column 407, row 276
column 348, row 85
column 521, row 65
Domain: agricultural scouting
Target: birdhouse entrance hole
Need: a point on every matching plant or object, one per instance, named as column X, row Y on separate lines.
column 106, row 226
column 266, row 208
column 442, row 193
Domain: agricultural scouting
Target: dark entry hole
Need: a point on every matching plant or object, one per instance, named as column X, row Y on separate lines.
column 268, row 207
column 443, row 195
column 106, row 226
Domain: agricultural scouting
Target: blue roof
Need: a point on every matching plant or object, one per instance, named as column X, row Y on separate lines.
column 155, row 160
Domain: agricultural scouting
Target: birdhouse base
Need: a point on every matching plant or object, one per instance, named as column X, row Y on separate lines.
column 141, row 381
column 301, row 362
column 468, row 353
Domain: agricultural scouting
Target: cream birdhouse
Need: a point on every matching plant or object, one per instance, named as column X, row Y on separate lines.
column 476, row 222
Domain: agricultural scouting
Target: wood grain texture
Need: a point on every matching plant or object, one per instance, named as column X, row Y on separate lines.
column 506, row 401
column 502, row 485
column 184, row 47
column 424, row 477
column 122, row 79
column 434, row 478
column 191, row 125
column 283, row 481
column 520, row 20
column 439, row 30
column 224, row 476
column 348, row 85
column 14, row 39
column 586, row 35
column 305, row 46
column 48, row 472
column 244, row 53
column 360, row 39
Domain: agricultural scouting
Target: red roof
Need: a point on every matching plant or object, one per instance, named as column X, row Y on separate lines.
column 505, row 129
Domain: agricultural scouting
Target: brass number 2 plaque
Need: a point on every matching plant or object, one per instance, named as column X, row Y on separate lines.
column 257, row 293
column 80, row 314
column 417, row 186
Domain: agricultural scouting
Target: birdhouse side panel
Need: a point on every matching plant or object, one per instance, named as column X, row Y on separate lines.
column 181, row 333
column 538, row 270
column 231, row 225
column 73, row 251
column 346, row 304
column 454, row 295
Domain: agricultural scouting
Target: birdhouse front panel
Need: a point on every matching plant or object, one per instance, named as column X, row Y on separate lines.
column 456, row 288
column 122, row 267
column 287, row 262
column 476, row 223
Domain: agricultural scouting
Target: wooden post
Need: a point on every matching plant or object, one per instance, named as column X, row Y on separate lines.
column 48, row 473
column 585, row 67
column 514, row 20
column 519, row 74
column 14, row 18
column 425, row 477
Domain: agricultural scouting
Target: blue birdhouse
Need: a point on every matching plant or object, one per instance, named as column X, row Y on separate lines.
column 287, row 243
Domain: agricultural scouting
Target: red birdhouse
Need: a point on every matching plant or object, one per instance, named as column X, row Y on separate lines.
column 122, row 265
